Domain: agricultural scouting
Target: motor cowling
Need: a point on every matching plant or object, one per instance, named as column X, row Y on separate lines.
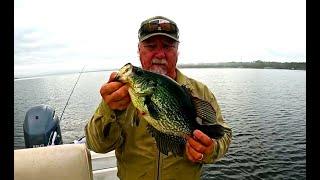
column 41, row 127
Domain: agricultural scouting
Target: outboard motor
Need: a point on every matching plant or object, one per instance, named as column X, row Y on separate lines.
column 41, row 127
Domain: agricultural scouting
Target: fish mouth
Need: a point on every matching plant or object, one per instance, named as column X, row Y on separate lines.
column 124, row 73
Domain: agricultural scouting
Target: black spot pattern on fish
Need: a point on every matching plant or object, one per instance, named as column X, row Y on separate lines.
column 172, row 108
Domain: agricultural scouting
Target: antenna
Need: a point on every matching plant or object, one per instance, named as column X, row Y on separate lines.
column 71, row 93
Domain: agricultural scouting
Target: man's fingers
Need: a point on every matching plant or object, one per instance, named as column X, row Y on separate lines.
column 119, row 94
column 192, row 154
column 201, row 143
column 109, row 88
column 120, row 105
column 124, row 101
column 203, row 138
column 188, row 153
column 115, row 94
column 196, row 145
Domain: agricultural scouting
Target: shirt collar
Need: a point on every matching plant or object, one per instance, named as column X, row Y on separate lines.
column 181, row 78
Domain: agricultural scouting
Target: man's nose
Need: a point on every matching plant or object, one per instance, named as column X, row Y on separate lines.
column 160, row 54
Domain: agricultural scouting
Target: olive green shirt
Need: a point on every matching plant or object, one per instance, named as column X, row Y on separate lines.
column 136, row 150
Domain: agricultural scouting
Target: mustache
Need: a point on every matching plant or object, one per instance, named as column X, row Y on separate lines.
column 159, row 61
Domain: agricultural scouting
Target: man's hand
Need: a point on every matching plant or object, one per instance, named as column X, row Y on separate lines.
column 199, row 146
column 115, row 94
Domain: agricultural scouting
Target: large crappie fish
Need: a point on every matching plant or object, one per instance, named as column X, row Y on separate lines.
column 169, row 108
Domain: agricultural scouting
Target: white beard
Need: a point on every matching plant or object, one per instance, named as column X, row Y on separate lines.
column 160, row 69
column 159, row 66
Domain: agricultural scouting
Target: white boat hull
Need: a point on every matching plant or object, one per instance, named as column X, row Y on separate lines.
column 104, row 166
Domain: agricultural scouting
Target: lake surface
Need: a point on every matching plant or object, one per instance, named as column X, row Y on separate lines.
column 266, row 109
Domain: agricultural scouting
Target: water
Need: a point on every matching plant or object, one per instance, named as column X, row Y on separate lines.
column 266, row 109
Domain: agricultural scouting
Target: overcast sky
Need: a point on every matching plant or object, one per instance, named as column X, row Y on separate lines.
column 60, row 35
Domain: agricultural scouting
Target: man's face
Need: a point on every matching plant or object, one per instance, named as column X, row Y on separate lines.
column 159, row 54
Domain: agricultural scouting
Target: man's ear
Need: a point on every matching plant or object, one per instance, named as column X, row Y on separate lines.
column 138, row 50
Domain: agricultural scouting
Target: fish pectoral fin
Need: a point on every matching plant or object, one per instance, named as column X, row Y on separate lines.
column 204, row 110
column 167, row 143
column 153, row 109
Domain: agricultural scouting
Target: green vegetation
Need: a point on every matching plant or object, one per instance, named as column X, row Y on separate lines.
column 255, row 64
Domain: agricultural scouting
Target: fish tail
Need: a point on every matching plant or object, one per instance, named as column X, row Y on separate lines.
column 215, row 131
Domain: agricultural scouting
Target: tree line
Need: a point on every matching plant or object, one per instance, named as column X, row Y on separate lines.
column 255, row 64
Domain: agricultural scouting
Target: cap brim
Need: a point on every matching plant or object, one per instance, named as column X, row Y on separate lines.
column 156, row 34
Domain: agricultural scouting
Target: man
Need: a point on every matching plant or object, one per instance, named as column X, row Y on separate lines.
column 136, row 151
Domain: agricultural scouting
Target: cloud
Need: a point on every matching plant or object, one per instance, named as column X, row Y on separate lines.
column 212, row 31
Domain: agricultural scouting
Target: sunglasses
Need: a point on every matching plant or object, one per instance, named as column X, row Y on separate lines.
column 159, row 26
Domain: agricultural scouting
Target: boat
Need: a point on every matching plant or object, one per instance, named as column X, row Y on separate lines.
column 47, row 157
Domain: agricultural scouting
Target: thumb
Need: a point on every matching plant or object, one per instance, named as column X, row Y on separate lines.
column 112, row 76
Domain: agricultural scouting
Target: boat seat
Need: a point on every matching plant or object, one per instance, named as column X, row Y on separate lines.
column 59, row 162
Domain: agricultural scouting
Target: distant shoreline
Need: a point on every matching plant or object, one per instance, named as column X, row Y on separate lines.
column 249, row 65
column 254, row 65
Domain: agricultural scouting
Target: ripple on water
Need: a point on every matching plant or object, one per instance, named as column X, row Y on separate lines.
column 265, row 109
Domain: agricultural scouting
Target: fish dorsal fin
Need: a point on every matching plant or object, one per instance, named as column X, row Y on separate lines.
column 167, row 143
column 204, row 111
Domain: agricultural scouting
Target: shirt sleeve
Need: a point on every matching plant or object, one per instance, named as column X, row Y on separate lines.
column 103, row 131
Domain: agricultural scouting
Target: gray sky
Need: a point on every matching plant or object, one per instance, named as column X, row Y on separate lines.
column 62, row 35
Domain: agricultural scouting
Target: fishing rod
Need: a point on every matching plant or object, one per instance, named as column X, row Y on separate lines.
column 53, row 134
column 71, row 93
column 44, row 116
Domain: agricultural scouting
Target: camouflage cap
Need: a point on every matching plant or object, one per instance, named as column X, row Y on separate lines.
column 158, row 25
